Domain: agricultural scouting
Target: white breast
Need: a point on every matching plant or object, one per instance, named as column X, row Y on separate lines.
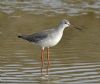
column 51, row 40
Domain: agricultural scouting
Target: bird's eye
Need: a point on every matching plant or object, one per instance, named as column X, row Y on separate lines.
column 65, row 22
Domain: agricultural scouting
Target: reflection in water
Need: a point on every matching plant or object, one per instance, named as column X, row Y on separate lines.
column 42, row 62
column 45, row 71
column 74, row 73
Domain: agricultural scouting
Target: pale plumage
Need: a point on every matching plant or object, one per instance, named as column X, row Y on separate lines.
column 47, row 38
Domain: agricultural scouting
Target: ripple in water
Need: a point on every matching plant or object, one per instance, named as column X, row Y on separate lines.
column 63, row 73
column 71, row 7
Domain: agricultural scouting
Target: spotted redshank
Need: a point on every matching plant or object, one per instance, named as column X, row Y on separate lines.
column 47, row 38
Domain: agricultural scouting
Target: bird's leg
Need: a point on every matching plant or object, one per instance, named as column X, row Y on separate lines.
column 42, row 60
column 42, row 56
column 48, row 57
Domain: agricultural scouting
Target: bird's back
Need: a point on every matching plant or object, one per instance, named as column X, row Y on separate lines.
column 36, row 37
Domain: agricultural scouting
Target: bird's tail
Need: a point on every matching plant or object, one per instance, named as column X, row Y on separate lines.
column 25, row 37
column 20, row 36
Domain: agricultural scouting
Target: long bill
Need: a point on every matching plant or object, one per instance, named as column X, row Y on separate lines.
column 76, row 27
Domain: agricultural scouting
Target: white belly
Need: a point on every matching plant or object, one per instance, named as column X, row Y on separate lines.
column 51, row 40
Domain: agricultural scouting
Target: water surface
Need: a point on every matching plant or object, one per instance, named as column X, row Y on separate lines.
column 72, row 7
column 75, row 60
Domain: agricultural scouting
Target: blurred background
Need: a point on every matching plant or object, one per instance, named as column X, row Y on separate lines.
column 75, row 60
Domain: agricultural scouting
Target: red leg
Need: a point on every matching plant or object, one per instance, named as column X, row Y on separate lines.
column 42, row 60
column 48, row 57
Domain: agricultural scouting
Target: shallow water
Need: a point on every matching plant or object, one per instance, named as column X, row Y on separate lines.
column 75, row 60
column 72, row 7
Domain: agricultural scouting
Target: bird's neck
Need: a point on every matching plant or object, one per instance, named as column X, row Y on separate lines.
column 61, row 28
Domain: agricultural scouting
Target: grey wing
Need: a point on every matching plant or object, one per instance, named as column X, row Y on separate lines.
column 35, row 37
column 39, row 36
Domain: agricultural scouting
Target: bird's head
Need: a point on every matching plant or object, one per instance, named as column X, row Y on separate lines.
column 65, row 23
